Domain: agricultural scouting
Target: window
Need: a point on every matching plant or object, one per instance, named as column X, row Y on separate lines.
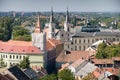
column 84, row 47
column 117, row 39
column 62, row 35
column 84, row 40
column 75, row 47
column 113, row 39
column 75, row 41
column 79, row 47
column 10, row 57
column 6, row 56
column 92, row 40
column 20, row 56
column 96, row 39
column 88, row 40
column 79, row 41
column 17, row 57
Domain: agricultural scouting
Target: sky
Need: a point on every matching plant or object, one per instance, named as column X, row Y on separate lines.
column 60, row 5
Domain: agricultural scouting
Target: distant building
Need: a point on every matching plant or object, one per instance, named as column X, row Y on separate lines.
column 83, row 40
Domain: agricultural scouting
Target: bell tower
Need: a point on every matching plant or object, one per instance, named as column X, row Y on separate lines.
column 39, row 37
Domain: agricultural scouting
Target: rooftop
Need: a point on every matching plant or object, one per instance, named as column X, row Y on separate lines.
column 21, row 47
column 24, row 47
column 102, row 61
column 93, row 34
column 71, row 56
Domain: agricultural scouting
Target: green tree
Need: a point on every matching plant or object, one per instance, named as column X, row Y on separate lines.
column 2, row 63
column 90, row 76
column 25, row 63
column 49, row 77
column 5, row 28
column 66, row 74
column 105, row 51
column 20, row 33
column 101, row 51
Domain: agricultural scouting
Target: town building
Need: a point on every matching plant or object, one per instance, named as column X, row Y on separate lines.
column 42, row 52
column 83, row 40
column 70, row 56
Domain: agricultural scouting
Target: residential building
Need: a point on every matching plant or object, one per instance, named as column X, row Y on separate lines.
column 70, row 56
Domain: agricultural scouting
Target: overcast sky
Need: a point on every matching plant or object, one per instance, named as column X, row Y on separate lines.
column 60, row 5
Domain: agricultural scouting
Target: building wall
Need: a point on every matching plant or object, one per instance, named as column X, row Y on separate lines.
column 11, row 59
column 82, row 43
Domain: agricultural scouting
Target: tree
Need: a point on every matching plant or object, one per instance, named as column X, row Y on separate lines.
column 2, row 63
column 66, row 74
column 5, row 28
column 49, row 77
column 25, row 63
column 101, row 51
column 90, row 76
column 20, row 33
column 105, row 51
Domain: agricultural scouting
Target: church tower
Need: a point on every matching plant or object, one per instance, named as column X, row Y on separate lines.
column 66, row 23
column 51, row 26
column 39, row 37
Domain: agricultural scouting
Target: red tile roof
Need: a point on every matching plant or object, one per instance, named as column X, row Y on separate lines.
column 116, row 58
column 77, row 63
column 72, row 56
column 102, row 61
column 24, row 47
column 20, row 47
column 54, row 42
column 98, row 71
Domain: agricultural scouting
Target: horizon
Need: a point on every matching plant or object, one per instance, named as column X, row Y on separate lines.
column 60, row 5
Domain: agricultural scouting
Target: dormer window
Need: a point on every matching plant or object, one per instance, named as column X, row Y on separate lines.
column 32, row 50
column 23, row 50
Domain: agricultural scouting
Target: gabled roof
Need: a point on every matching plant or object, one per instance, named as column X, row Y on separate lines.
column 102, row 61
column 18, row 73
column 31, row 73
column 72, row 56
column 84, row 70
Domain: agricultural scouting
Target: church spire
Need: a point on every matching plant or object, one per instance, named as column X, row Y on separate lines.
column 51, row 17
column 67, row 16
column 38, row 25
